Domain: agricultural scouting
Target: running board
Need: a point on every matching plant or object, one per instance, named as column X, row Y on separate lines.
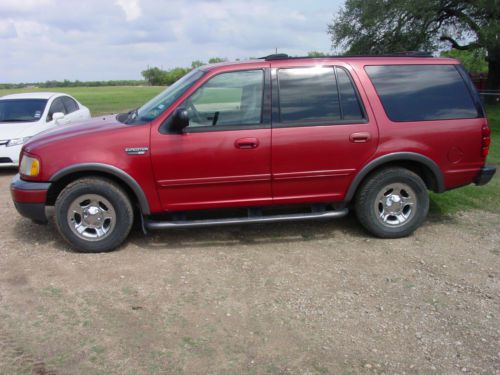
column 151, row 224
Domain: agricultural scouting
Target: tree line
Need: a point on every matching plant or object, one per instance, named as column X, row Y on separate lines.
column 158, row 77
column 77, row 83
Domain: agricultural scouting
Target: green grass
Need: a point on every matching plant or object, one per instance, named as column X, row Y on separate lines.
column 103, row 100
column 484, row 197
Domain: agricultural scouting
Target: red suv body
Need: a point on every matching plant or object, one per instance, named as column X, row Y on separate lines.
column 315, row 136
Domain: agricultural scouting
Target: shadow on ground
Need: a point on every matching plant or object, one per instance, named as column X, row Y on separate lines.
column 249, row 234
column 31, row 234
column 8, row 172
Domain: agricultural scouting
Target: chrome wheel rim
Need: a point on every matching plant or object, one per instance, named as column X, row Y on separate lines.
column 91, row 217
column 395, row 205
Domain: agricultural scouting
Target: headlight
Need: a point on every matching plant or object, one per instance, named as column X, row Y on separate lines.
column 17, row 141
column 29, row 167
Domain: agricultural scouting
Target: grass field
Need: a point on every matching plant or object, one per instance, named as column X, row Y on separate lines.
column 105, row 100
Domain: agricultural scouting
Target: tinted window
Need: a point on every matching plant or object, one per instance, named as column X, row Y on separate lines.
column 308, row 94
column 233, row 98
column 351, row 108
column 21, row 110
column 70, row 104
column 56, row 106
column 422, row 92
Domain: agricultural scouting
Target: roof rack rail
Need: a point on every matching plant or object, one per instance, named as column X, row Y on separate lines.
column 284, row 56
column 414, row 53
column 276, row 56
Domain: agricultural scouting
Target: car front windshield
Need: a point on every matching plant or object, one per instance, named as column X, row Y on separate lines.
column 21, row 110
column 162, row 101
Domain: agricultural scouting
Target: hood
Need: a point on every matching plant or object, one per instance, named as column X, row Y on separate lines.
column 91, row 127
column 11, row 130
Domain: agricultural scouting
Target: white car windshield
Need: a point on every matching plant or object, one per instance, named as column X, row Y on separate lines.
column 21, row 110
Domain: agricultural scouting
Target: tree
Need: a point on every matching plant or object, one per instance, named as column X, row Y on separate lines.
column 174, row 74
column 196, row 64
column 155, row 76
column 316, row 54
column 474, row 61
column 215, row 60
column 385, row 26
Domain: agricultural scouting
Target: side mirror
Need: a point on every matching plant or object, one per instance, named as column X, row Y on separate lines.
column 57, row 116
column 180, row 120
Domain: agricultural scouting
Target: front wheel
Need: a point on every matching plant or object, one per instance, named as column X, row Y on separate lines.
column 392, row 203
column 93, row 215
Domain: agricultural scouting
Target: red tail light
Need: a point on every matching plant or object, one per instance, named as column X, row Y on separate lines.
column 486, row 140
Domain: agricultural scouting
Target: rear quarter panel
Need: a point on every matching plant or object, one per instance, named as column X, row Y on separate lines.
column 455, row 145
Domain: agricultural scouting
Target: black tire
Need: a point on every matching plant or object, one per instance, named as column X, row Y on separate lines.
column 392, row 203
column 107, row 210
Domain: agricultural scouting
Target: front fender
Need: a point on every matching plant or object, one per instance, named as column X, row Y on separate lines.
column 108, row 169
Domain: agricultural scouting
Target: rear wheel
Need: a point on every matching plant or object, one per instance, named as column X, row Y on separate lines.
column 93, row 215
column 392, row 203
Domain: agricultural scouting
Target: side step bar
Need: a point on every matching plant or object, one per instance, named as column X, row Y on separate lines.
column 151, row 224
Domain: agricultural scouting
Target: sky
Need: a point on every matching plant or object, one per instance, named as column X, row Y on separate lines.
column 44, row 40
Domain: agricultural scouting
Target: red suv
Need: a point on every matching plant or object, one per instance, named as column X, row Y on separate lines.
column 274, row 139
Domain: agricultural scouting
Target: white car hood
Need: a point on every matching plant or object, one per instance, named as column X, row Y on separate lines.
column 11, row 130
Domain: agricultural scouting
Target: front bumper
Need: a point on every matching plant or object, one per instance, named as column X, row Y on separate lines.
column 9, row 156
column 485, row 175
column 29, row 198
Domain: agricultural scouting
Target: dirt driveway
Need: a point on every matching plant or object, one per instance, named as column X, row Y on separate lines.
column 291, row 298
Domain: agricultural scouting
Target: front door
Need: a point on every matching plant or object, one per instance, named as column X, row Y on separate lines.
column 222, row 159
column 322, row 135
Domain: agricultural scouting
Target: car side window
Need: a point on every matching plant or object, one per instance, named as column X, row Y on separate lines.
column 349, row 100
column 308, row 94
column 422, row 92
column 228, row 99
column 56, row 106
column 70, row 104
column 317, row 96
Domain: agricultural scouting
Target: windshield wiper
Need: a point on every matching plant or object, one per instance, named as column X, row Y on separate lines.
column 14, row 120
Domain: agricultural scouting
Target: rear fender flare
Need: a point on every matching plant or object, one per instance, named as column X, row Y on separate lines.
column 396, row 157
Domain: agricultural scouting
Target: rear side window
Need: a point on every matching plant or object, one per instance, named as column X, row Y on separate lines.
column 422, row 92
column 308, row 94
column 351, row 108
column 317, row 95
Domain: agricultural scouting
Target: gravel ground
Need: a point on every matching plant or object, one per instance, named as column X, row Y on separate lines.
column 291, row 298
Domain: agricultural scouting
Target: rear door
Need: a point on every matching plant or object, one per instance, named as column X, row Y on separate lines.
column 322, row 134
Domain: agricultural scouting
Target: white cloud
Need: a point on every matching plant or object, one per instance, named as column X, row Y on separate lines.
column 22, row 6
column 116, row 39
column 7, row 29
column 131, row 8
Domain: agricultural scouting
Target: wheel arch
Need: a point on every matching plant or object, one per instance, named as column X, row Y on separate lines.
column 62, row 178
column 422, row 165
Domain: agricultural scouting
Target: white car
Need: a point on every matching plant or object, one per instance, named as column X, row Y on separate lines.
column 24, row 115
